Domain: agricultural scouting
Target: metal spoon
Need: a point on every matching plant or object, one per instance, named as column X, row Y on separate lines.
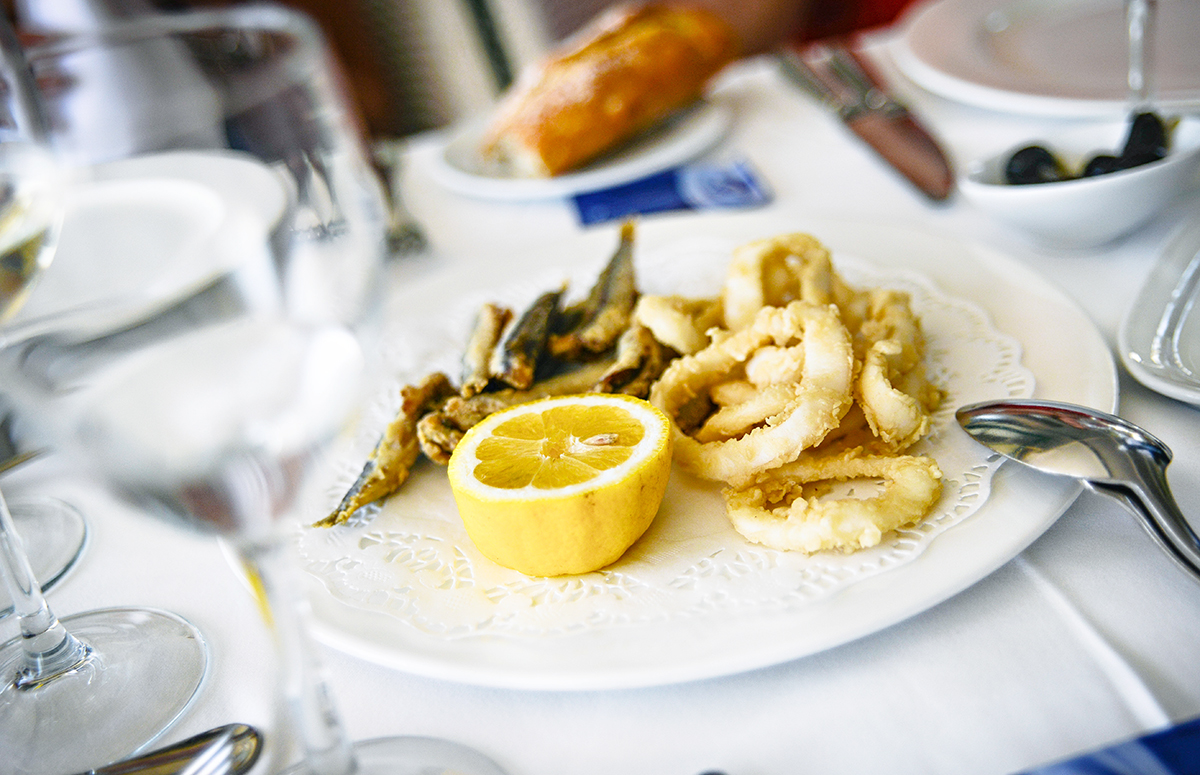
column 1112, row 456
column 235, row 747
column 217, row 758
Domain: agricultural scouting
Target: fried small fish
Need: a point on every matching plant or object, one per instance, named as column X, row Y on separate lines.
column 507, row 362
column 597, row 321
column 440, row 430
column 485, row 337
column 517, row 357
column 640, row 360
column 394, row 455
column 438, row 437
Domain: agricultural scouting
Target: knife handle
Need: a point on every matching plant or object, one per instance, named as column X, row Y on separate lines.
column 848, row 65
column 836, row 76
column 802, row 74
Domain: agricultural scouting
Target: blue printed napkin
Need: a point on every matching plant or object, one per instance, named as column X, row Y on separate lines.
column 1174, row 751
column 698, row 186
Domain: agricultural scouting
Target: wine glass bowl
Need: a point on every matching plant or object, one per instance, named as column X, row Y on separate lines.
column 30, row 182
column 29, row 218
column 217, row 425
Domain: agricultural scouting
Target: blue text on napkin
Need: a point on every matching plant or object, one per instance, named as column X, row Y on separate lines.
column 699, row 186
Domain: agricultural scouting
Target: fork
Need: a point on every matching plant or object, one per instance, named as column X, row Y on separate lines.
column 404, row 234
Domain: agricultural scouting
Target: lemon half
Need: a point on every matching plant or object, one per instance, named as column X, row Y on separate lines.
column 562, row 485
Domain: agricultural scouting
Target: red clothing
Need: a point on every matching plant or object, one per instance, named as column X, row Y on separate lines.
column 828, row 18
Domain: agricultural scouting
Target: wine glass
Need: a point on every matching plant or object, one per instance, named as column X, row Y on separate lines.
column 220, row 418
column 65, row 685
column 54, row 534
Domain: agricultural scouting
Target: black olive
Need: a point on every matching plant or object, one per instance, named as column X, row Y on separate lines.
column 1146, row 141
column 1128, row 162
column 1101, row 164
column 1033, row 164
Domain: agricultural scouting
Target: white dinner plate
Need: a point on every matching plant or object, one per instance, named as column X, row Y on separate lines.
column 404, row 586
column 143, row 232
column 1159, row 339
column 1046, row 57
column 459, row 167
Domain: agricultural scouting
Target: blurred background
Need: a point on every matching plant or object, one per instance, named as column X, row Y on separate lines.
column 414, row 65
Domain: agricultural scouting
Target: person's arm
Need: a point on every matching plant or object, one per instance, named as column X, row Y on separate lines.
column 761, row 24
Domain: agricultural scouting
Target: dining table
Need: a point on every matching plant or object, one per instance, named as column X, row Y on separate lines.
column 1053, row 627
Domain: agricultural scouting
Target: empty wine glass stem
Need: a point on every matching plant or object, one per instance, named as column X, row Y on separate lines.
column 313, row 720
column 1139, row 16
column 49, row 650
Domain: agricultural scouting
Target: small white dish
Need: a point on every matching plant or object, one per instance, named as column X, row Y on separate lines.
column 1088, row 212
column 1159, row 339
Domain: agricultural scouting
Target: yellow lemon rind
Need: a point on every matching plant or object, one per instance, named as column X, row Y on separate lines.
column 572, row 530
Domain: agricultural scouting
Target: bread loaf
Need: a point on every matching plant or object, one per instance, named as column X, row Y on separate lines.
column 632, row 68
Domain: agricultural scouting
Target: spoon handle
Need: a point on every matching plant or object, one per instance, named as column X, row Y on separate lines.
column 244, row 741
column 1149, row 496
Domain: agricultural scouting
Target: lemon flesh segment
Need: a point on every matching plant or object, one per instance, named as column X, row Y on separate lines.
column 556, row 448
column 564, row 485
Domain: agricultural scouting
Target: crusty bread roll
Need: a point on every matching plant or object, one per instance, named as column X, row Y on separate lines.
column 629, row 70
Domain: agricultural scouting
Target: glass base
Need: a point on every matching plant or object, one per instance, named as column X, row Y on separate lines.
column 53, row 534
column 145, row 670
column 419, row 756
column 414, row 756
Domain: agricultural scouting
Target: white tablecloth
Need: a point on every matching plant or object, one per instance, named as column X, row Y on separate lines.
column 1090, row 636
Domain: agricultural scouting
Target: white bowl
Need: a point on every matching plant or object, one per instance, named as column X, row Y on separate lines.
column 1086, row 212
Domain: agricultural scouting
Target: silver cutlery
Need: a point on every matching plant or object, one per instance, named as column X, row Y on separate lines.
column 841, row 79
column 1112, row 456
column 405, row 236
column 215, row 759
column 228, row 750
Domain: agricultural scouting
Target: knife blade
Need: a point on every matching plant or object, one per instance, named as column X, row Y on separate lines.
column 840, row 79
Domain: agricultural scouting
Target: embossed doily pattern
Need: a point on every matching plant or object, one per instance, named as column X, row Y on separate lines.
column 411, row 559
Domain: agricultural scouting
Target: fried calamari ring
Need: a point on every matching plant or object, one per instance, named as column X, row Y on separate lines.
column 897, row 418
column 889, row 315
column 736, row 418
column 772, row 374
column 772, row 365
column 773, row 272
column 735, row 391
column 677, row 321
column 814, row 406
column 854, row 431
column 776, row 512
